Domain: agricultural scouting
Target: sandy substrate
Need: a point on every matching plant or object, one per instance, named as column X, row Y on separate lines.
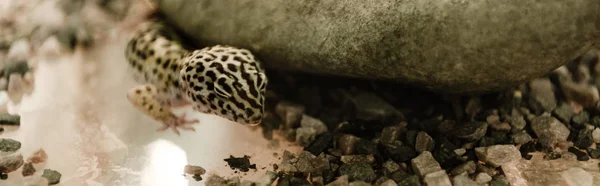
column 79, row 114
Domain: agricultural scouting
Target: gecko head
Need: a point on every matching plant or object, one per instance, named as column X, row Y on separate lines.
column 235, row 91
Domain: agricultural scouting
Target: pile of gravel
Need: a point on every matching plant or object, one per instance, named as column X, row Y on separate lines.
column 378, row 133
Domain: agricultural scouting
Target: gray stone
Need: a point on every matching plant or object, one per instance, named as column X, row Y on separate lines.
column 409, row 180
column 501, row 127
column 358, row 171
column 564, row 112
column 389, row 182
column 305, row 135
column 581, row 119
column 424, row 142
column 439, row 45
column 521, row 137
column 468, row 167
column 483, row 178
column 578, row 176
column 596, row 135
column 9, row 145
column 464, row 180
column 390, row 167
column 424, row 164
column 439, row 178
column 310, row 122
column 52, row 176
column 499, row 180
column 357, row 158
column 340, row 181
column 542, row 98
column 304, row 163
column 498, row 155
column 346, row 143
column 460, row 151
column 359, row 183
column 471, row 131
column 550, row 128
column 390, row 134
column 11, row 162
column 538, row 171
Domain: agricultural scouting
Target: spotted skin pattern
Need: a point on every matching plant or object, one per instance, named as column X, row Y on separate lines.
column 222, row 80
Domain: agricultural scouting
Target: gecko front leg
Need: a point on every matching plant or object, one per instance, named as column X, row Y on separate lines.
column 147, row 99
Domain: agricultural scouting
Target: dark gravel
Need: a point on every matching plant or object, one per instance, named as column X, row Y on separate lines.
column 242, row 164
column 373, row 131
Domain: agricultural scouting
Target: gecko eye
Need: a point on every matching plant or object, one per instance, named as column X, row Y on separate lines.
column 222, row 88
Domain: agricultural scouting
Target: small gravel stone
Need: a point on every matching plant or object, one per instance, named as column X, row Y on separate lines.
column 521, row 137
column 9, row 145
column 346, row 143
column 305, row 136
column 468, row 167
column 492, row 171
column 499, row 180
column 28, row 169
column 460, row 151
column 483, row 178
column 471, row 131
column 550, row 128
column 320, row 144
column 584, row 138
column 595, row 121
column 464, row 180
column 517, row 123
column 424, row 164
column 439, row 178
column 411, row 138
column 390, row 167
column 399, row 152
column 310, row 122
column 444, row 153
column 564, row 112
column 498, row 155
column 358, row 171
column 389, row 182
column 594, row 153
column 11, row 162
column 581, row 156
column 541, row 95
column 577, row 176
column 596, row 135
column 585, row 94
column 424, row 142
column 359, row 183
column 580, row 119
column 501, row 127
column 408, row 180
column 52, row 176
column 357, row 159
column 340, row 181
column 390, row 134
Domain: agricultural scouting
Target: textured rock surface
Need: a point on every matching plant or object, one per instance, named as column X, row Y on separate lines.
column 442, row 45
column 538, row 171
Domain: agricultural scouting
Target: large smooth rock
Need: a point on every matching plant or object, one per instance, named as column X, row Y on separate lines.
column 451, row 46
